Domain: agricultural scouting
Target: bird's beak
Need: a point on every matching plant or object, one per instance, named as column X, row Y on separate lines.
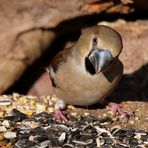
column 94, row 59
column 99, row 59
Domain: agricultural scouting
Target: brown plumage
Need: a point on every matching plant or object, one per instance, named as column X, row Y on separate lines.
column 88, row 72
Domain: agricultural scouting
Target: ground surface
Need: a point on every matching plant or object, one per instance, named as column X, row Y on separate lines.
column 27, row 121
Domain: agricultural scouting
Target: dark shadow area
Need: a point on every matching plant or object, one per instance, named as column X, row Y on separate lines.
column 33, row 72
column 132, row 87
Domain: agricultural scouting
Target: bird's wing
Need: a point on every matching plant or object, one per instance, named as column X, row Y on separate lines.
column 55, row 64
column 60, row 58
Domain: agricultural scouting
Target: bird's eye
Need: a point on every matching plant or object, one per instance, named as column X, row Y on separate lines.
column 94, row 41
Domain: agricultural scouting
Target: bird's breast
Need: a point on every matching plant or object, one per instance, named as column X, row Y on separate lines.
column 78, row 87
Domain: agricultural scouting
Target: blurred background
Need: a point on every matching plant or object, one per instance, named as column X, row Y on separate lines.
column 33, row 31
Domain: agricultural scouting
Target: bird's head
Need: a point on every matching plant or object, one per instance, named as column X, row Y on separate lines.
column 98, row 46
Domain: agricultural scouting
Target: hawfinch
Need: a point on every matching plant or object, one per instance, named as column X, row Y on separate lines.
column 89, row 71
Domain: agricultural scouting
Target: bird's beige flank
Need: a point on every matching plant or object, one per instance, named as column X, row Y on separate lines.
column 89, row 71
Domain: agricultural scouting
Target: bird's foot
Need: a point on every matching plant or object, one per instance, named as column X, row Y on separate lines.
column 116, row 108
column 59, row 116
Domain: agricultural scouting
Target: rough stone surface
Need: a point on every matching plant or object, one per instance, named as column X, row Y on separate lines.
column 27, row 27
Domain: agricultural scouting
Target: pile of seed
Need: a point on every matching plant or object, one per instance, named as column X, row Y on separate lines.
column 40, row 130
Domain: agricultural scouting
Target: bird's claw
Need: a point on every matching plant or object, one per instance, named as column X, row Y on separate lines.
column 116, row 108
column 59, row 116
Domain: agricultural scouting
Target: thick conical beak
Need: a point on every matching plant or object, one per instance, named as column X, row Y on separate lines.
column 100, row 59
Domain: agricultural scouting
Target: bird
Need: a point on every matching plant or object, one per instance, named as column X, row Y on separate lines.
column 89, row 71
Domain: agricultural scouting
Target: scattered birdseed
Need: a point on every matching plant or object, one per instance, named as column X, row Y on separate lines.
column 28, row 123
column 6, row 123
column 62, row 137
column 10, row 135
column 5, row 103
column 3, row 129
